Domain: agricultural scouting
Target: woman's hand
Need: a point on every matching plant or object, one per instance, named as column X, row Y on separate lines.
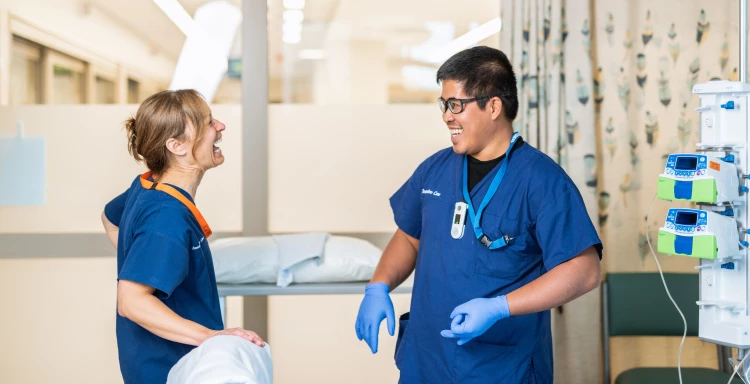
column 243, row 333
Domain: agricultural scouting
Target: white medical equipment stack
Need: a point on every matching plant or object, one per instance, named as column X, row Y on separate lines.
column 724, row 315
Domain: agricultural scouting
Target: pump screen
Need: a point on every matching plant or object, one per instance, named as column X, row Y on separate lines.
column 686, row 163
column 686, row 218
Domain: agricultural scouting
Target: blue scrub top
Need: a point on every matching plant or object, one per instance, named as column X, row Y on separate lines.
column 161, row 244
column 539, row 206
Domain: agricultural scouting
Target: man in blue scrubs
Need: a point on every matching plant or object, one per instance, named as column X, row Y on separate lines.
column 497, row 235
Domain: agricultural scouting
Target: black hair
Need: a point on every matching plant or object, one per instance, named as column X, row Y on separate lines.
column 483, row 71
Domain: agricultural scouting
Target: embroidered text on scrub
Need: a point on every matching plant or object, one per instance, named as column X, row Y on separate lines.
column 475, row 218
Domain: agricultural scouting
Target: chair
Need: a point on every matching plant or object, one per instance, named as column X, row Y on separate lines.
column 636, row 304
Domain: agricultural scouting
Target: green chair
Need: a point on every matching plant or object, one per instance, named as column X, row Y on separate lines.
column 636, row 304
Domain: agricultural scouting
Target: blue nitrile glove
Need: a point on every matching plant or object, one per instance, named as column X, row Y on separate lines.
column 375, row 307
column 474, row 317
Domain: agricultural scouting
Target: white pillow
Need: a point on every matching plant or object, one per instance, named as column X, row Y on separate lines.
column 345, row 259
column 224, row 360
column 245, row 260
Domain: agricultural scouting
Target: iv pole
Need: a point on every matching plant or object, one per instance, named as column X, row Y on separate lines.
column 741, row 353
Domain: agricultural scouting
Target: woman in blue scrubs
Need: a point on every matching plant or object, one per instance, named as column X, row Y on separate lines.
column 496, row 233
column 167, row 300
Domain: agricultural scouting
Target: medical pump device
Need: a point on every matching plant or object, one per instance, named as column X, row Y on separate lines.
column 699, row 178
column 701, row 234
column 715, row 230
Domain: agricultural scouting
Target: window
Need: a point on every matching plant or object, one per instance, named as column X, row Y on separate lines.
column 25, row 72
column 133, row 92
column 361, row 52
column 42, row 75
column 104, row 91
column 68, row 84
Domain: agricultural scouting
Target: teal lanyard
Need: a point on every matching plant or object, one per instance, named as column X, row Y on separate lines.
column 477, row 217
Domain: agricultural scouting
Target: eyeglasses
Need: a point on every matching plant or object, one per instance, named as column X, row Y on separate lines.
column 456, row 105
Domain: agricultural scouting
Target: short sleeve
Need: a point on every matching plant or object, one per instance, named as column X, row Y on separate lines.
column 156, row 260
column 406, row 204
column 113, row 210
column 564, row 229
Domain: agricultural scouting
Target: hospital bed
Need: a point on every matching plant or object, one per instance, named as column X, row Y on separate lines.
column 358, row 288
column 294, row 264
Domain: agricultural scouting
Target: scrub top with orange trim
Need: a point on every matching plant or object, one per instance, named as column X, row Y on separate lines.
column 161, row 244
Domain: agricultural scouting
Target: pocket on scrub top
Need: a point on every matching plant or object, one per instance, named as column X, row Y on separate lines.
column 508, row 261
column 403, row 323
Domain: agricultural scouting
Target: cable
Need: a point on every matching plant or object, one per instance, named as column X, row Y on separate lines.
column 684, row 322
column 743, row 179
column 735, row 370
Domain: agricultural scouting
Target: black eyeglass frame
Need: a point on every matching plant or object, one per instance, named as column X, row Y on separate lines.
column 446, row 105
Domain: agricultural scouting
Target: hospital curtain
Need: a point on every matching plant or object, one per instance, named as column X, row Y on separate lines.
column 605, row 90
column 549, row 45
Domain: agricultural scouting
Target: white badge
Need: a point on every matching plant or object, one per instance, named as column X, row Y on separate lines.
column 458, row 220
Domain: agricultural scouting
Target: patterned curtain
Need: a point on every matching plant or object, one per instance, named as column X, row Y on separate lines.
column 606, row 90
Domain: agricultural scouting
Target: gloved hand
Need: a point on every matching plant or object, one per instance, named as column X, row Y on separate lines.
column 375, row 306
column 474, row 317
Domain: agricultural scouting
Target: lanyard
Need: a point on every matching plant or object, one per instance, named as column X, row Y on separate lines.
column 477, row 217
column 148, row 184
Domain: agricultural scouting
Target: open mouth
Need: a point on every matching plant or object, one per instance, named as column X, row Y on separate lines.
column 456, row 132
column 216, row 147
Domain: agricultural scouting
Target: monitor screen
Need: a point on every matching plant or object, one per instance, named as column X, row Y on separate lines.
column 686, row 163
column 686, row 218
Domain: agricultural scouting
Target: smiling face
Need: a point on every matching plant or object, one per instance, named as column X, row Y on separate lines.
column 473, row 131
column 197, row 149
column 206, row 151
column 175, row 128
column 483, row 127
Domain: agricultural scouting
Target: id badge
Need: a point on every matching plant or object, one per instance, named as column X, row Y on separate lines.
column 459, row 220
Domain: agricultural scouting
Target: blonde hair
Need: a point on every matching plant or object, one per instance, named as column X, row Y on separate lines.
column 162, row 116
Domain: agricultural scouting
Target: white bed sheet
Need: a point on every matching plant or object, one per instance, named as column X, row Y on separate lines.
column 224, row 360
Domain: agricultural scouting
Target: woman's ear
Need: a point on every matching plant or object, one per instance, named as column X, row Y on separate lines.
column 177, row 147
column 496, row 107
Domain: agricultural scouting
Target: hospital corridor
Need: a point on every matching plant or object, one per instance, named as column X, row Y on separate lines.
column 349, row 191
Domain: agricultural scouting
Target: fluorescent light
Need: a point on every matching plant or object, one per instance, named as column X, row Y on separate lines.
column 312, row 54
column 466, row 40
column 179, row 16
column 203, row 60
column 292, row 38
column 294, row 28
column 294, row 4
column 293, row 16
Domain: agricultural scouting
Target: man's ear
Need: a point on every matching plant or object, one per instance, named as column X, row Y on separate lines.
column 496, row 107
column 177, row 147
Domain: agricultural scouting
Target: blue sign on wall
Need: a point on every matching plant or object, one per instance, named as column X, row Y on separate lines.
column 234, row 68
column 22, row 171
